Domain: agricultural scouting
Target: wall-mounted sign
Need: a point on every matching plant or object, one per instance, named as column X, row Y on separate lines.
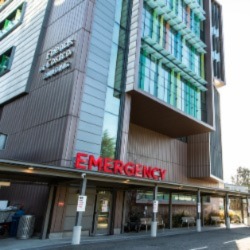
column 81, row 204
column 107, row 165
column 56, row 59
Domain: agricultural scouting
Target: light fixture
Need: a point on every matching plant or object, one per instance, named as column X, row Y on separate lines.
column 4, row 183
column 31, row 168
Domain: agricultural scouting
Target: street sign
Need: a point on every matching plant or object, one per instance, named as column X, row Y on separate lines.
column 155, row 206
column 199, row 207
column 81, row 205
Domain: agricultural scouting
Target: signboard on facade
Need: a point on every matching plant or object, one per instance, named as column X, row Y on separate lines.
column 155, row 206
column 57, row 59
column 89, row 162
column 81, row 204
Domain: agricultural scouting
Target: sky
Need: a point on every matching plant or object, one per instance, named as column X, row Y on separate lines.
column 235, row 96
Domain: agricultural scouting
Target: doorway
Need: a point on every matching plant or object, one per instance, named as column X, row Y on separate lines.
column 103, row 211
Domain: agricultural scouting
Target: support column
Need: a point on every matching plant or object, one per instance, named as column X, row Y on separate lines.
column 198, row 220
column 248, row 212
column 154, row 221
column 170, row 211
column 227, row 212
column 76, row 237
column 48, row 212
column 242, row 210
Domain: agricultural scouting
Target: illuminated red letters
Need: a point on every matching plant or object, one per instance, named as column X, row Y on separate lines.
column 107, row 165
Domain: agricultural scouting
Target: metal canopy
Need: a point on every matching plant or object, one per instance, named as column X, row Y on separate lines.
column 17, row 170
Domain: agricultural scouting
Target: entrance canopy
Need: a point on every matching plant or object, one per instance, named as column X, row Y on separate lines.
column 24, row 171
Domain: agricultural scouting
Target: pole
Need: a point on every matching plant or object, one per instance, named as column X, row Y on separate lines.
column 227, row 212
column 155, row 210
column 198, row 220
column 76, row 237
column 248, row 212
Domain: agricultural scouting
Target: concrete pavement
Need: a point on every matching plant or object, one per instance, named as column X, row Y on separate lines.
column 182, row 238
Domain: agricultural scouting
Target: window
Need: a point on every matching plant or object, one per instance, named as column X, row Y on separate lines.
column 4, row 3
column 6, row 61
column 3, row 139
column 12, row 21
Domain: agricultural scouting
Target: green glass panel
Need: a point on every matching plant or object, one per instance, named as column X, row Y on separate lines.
column 161, row 30
column 4, row 63
column 7, row 25
column 172, row 89
column 155, row 21
column 198, row 106
column 178, row 94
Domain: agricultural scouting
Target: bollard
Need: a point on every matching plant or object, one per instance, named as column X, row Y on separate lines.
column 76, row 237
column 153, row 228
column 198, row 225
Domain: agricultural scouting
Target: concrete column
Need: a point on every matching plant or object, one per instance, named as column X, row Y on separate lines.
column 76, row 237
column 154, row 221
column 227, row 212
column 170, row 218
column 248, row 212
column 242, row 210
column 198, row 220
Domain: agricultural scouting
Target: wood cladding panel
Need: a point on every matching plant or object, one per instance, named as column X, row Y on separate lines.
column 59, row 210
column 118, row 209
column 199, row 156
column 154, row 149
column 33, row 198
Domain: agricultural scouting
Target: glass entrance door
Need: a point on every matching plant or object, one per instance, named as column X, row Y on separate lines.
column 103, row 212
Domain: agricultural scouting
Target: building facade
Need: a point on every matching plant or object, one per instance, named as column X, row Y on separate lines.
column 123, row 91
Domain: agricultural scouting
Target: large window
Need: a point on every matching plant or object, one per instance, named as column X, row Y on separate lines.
column 110, row 136
column 167, row 85
column 12, row 21
column 6, row 61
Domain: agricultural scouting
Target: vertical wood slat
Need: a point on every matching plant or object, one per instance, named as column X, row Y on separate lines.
column 119, row 210
column 181, row 160
column 59, row 210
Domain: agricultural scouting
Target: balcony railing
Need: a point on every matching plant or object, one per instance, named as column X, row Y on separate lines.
column 163, row 9
column 155, row 49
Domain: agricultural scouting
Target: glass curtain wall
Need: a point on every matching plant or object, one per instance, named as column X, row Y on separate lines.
column 115, row 80
column 161, row 81
column 138, row 208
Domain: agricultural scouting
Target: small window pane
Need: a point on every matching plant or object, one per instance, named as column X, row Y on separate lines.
column 3, row 139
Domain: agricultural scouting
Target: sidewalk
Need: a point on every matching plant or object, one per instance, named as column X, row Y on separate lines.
column 35, row 243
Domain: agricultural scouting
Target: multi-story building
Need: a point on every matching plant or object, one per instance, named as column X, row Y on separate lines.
column 124, row 91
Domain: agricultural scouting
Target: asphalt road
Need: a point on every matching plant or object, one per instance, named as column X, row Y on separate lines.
column 218, row 239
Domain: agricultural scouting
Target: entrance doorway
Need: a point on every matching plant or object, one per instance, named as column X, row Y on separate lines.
column 103, row 213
